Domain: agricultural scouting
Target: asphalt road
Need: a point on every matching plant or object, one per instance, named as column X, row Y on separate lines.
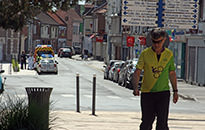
column 109, row 95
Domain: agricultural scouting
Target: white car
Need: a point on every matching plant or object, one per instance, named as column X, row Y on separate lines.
column 47, row 65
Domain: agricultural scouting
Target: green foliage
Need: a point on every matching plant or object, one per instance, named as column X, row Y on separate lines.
column 13, row 114
column 15, row 65
column 16, row 114
column 14, row 14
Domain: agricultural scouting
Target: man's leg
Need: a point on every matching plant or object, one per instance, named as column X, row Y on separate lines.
column 25, row 65
column 163, row 110
column 21, row 65
column 148, row 111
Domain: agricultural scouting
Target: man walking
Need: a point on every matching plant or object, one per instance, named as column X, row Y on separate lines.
column 23, row 60
column 158, row 65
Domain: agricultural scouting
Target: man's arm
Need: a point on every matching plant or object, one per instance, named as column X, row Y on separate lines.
column 136, row 78
column 173, row 79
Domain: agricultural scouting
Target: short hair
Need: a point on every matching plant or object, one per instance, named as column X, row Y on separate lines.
column 156, row 33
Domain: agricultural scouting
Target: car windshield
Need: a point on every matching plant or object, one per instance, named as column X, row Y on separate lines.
column 66, row 50
column 47, row 61
column 43, row 52
column 117, row 65
column 50, row 61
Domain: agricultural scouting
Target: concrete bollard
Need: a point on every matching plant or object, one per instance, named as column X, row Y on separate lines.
column 10, row 69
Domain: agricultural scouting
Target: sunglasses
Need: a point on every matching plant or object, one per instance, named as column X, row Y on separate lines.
column 156, row 42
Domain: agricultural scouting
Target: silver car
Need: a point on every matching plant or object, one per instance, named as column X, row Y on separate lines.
column 47, row 65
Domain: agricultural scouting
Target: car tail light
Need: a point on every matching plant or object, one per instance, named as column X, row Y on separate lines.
column 118, row 70
column 54, row 65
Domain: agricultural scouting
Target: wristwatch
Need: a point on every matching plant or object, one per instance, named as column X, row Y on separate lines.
column 175, row 90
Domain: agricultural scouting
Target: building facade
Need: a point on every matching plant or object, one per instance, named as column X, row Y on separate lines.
column 9, row 44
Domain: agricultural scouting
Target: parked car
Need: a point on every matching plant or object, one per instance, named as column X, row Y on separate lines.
column 123, row 73
column 72, row 49
column 130, row 72
column 117, row 71
column 67, row 47
column 108, row 67
column 59, row 51
column 66, row 52
column 112, row 70
column 77, row 50
column 47, row 65
column 2, row 82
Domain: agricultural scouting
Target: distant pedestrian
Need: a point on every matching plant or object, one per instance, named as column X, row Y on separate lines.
column 158, row 65
column 85, row 54
column 30, row 62
column 23, row 60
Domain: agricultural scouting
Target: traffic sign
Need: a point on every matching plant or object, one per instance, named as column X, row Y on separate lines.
column 139, row 21
column 179, row 14
column 139, row 13
column 140, row 8
column 130, row 41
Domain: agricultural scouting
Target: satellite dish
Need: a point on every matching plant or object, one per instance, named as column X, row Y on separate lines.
column 149, row 40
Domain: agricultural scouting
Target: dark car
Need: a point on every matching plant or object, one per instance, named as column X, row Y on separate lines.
column 108, row 67
column 72, row 49
column 66, row 52
column 59, row 51
column 117, row 71
column 77, row 50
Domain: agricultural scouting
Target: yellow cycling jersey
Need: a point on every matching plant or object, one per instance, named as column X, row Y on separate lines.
column 156, row 73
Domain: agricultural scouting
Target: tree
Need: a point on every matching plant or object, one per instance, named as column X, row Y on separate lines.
column 14, row 14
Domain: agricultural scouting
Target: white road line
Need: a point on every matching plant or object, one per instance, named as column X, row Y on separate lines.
column 114, row 97
column 68, row 95
column 22, row 96
column 88, row 96
column 134, row 98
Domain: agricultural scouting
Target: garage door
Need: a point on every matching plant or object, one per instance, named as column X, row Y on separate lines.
column 201, row 66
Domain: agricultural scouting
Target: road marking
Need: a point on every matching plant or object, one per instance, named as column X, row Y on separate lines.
column 133, row 98
column 67, row 95
column 22, row 95
column 88, row 96
column 114, row 97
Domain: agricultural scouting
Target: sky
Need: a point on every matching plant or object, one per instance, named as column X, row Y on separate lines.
column 82, row 2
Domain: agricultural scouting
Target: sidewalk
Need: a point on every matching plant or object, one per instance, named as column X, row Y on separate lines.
column 7, row 67
column 68, row 120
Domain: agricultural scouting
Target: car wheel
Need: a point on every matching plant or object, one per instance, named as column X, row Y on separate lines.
column 39, row 73
column 119, row 83
column 123, row 82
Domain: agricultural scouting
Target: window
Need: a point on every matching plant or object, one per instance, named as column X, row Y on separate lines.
column 75, row 30
column 201, row 10
column 66, row 18
column 34, row 29
column 9, row 47
column 15, row 46
column 56, row 32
